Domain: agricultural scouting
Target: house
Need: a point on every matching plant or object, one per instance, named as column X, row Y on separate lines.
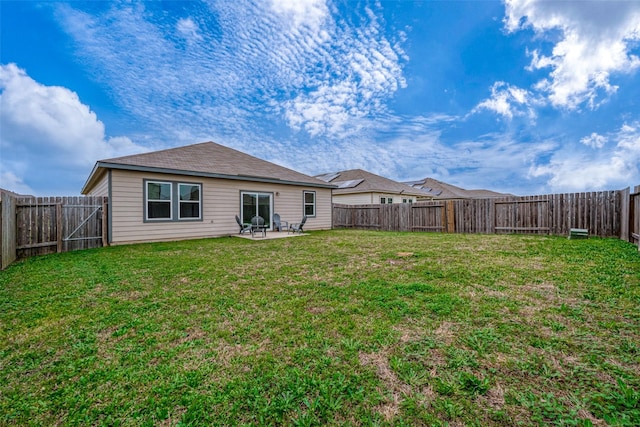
column 439, row 190
column 359, row 187
column 196, row 191
column 12, row 194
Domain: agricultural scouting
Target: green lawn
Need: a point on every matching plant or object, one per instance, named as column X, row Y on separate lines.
column 338, row 327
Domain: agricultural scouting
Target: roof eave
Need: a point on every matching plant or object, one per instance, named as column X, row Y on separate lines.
column 375, row 190
column 108, row 165
column 90, row 179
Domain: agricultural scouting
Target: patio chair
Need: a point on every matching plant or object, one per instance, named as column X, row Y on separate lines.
column 297, row 227
column 257, row 224
column 277, row 223
column 244, row 227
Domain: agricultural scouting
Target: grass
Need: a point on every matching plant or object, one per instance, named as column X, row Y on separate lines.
column 339, row 328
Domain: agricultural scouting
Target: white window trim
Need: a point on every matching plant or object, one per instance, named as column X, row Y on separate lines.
column 305, row 204
column 174, row 208
column 147, row 200
column 199, row 202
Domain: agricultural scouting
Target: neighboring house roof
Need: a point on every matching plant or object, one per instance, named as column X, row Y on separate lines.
column 442, row 190
column 206, row 159
column 12, row 194
column 360, row 181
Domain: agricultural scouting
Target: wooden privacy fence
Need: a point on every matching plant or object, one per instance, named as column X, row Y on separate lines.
column 603, row 213
column 634, row 217
column 41, row 225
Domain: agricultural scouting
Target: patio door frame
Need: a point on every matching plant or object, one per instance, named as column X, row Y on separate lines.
column 246, row 217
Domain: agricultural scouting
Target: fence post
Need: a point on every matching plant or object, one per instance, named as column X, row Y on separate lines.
column 451, row 218
column 8, row 227
column 59, row 227
column 625, row 213
column 443, row 217
column 634, row 214
column 105, row 222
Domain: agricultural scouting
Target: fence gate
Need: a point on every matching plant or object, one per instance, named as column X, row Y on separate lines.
column 42, row 225
column 88, row 229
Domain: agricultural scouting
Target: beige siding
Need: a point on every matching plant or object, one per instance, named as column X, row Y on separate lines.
column 354, row 199
column 101, row 188
column 398, row 199
column 220, row 204
column 368, row 198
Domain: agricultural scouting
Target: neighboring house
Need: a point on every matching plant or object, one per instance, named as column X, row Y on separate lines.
column 197, row 190
column 359, row 187
column 439, row 190
column 12, row 194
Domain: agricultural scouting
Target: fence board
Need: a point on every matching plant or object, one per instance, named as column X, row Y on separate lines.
column 426, row 217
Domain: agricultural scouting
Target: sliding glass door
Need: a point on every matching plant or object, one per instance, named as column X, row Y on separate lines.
column 256, row 204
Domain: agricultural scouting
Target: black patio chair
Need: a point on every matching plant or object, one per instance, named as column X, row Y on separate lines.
column 244, row 227
column 257, row 224
column 277, row 223
column 297, row 227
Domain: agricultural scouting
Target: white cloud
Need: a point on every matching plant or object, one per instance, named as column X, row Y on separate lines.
column 10, row 181
column 594, row 140
column 297, row 59
column 362, row 70
column 629, row 143
column 309, row 13
column 188, row 29
column 494, row 161
column 33, row 114
column 48, row 128
column 508, row 101
column 573, row 170
column 596, row 39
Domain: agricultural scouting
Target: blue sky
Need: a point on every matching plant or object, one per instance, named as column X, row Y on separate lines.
column 521, row 96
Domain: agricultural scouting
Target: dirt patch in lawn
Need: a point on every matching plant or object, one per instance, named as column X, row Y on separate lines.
column 397, row 389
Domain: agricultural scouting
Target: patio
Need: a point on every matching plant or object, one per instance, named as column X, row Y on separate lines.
column 270, row 235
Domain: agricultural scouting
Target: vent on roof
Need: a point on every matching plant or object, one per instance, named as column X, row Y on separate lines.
column 348, row 184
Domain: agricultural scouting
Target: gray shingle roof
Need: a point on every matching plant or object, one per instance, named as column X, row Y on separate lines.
column 211, row 160
column 367, row 182
column 442, row 190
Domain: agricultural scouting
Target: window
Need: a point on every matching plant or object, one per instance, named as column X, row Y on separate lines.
column 160, row 196
column 383, row 200
column 158, row 200
column 407, row 200
column 253, row 203
column 310, row 203
column 389, row 200
column 189, row 201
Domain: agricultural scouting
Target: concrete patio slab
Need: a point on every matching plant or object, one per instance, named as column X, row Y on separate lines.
column 270, row 235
